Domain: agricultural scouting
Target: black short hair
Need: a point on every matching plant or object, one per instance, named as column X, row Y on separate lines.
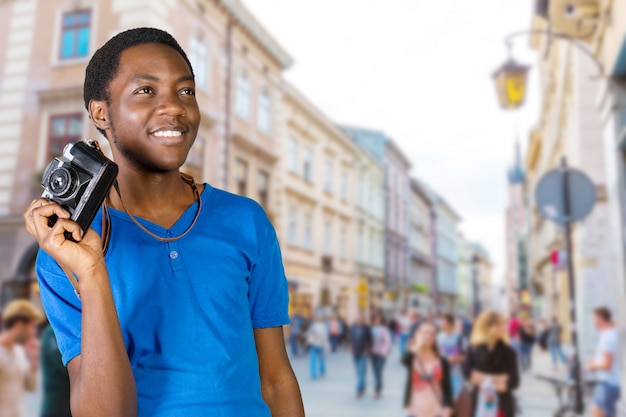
column 448, row 317
column 604, row 313
column 104, row 63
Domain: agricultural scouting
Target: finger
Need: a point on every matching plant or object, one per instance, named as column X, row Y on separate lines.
column 41, row 215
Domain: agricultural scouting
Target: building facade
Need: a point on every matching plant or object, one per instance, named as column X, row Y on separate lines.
column 370, row 231
column 516, row 228
column 422, row 283
column 317, row 224
column 446, row 230
column 570, row 126
column 238, row 68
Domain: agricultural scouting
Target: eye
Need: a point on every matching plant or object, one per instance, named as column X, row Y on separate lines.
column 144, row 90
column 188, row 91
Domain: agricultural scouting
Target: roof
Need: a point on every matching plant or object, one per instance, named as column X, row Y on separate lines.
column 517, row 174
column 256, row 29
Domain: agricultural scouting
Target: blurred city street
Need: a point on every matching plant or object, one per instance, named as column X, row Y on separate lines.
column 334, row 394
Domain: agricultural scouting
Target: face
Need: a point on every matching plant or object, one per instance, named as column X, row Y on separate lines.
column 25, row 331
column 597, row 321
column 425, row 335
column 152, row 116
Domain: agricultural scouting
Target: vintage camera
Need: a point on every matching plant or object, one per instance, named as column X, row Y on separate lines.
column 79, row 180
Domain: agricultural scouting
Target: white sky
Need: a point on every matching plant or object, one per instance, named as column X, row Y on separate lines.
column 420, row 70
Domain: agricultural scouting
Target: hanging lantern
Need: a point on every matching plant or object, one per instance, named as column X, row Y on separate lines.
column 510, row 80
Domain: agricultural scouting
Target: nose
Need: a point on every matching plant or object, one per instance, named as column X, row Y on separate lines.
column 171, row 105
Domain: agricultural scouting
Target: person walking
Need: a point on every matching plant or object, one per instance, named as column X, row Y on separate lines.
column 381, row 346
column 56, row 380
column 360, row 345
column 451, row 344
column 335, row 330
column 526, row 342
column 491, row 367
column 606, row 365
column 404, row 327
column 295, row 329
column 19, row 355
column 317, row 339
column 428, row 391
column 553, row 340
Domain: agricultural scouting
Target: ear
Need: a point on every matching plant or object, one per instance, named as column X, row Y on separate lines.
column 99, row 113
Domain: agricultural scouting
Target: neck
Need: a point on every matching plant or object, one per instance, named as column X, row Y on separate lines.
column 158, row 197
column 424, row 350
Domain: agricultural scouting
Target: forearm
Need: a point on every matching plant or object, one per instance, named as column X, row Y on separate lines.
column 283, row 396
column 103, row 385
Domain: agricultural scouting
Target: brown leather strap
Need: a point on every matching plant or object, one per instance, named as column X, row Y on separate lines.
column 72, row 278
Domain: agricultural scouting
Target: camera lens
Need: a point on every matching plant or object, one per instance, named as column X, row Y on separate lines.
column 60, row 182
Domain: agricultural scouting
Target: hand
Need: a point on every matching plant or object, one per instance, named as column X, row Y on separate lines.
column 79, row 257
column 31, row 347
column 447, row 412
column 477, row 378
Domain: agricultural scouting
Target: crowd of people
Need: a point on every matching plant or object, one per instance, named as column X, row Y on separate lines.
column 456, row 366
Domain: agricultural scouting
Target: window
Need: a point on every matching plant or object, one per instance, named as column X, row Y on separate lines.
column 359, row 244
column 263, row 188
column 63, row 130
column 344, row 186
column 292, row 155
column 264, row 115
column 307, row 164
column 328, row 176
column 292, row 228
column 343, row 241
column 242, row 103
column 195, row 159
column 308, row 231
column 199, row 58
column 75, row 34
column 328, row 237
column 241, row 176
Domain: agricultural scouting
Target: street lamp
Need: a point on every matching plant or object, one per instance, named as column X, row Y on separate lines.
column 510, row 80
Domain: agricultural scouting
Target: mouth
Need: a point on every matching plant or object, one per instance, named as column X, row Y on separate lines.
column 169, row 135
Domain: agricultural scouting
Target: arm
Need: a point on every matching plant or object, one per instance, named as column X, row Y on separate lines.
column 605, row 363
column 512, row 380
column 101, row 379
column 278, row 383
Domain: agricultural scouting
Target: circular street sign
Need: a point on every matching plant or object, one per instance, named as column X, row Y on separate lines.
column 550, row 199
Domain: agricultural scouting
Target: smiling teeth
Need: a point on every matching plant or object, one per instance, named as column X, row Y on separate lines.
column 168, row 133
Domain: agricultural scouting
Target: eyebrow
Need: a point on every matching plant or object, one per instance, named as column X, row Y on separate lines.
column 148, row 77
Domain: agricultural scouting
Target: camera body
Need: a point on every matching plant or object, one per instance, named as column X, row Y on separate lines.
column 79, row 180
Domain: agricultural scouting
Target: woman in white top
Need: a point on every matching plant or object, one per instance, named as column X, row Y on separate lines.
column 317, row 338
column 381, row 346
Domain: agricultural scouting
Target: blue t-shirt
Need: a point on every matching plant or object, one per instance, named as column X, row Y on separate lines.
column 187, row 308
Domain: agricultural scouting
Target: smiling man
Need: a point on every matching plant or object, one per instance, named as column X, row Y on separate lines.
column 183, row 315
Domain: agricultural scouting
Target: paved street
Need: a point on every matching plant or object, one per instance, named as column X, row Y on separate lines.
column 334, row 395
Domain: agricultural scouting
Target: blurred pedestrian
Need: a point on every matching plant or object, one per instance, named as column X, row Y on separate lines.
column 404, row 327
column 360, row 345
column 416, row 320
column 295, row 329
column 317, row 340
column 56, row 380
column 19, row 355
column 428, row 392
column 513, row 329
column 526, row 342
column 335, row 330
column 491, row 367
column 451, row 344
column 381, row 346
column 606, row 365
column 553, row 340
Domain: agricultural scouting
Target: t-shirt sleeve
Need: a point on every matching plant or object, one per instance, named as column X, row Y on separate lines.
column 62, row 305
column 268, row 294
column 609, row 343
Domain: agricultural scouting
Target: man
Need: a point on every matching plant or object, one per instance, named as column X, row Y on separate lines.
column 19, row 360
column 451, row 345
column 55, row 379
column 605, row 364
column 334, row 330
column 317, row 340
column 553, row 342
column 360, row 344
column 184, row 315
